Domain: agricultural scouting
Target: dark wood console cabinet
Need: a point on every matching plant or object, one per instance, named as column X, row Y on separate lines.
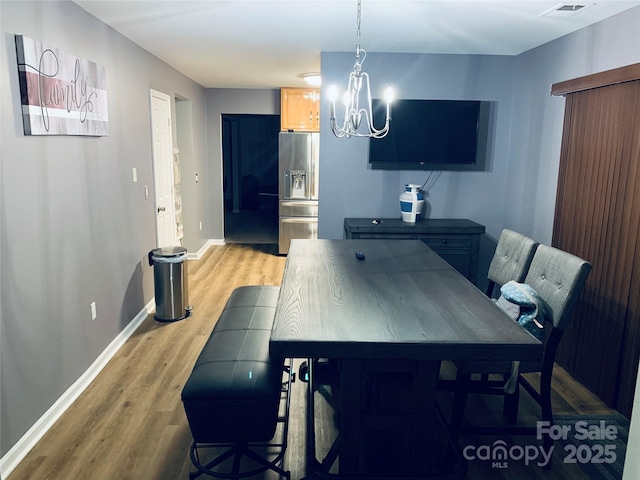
column 455, row 240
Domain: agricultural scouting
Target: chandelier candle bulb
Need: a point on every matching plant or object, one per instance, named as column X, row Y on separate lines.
column 388, row 97
column 332, row 93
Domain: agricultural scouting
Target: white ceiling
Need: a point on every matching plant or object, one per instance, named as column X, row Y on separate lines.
column 271, row 43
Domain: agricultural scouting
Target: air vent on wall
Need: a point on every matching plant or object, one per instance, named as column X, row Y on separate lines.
column 563, row 10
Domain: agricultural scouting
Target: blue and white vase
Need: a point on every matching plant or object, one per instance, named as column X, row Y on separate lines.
column 411, row 203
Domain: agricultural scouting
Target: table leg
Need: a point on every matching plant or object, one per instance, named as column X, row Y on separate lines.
column 387, row 416
column 350, row 400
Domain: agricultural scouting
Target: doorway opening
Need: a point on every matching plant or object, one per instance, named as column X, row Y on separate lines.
column 250, row 178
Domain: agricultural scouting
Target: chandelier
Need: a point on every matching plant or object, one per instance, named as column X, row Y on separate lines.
column 357, row 101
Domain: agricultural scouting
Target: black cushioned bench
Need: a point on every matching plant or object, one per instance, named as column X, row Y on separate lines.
column 232, row 397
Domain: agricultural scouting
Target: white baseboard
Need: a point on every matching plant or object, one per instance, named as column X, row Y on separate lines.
column 198, row 255
column 17, row 453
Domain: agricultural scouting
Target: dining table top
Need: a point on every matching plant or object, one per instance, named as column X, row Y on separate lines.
column 401, row 301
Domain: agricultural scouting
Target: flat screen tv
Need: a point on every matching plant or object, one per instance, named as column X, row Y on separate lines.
column 431, row 135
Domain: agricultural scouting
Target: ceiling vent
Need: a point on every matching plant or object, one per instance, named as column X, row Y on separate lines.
column 563, row 10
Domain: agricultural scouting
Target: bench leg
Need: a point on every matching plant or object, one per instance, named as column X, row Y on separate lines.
column 202, row 469
column 237, row 450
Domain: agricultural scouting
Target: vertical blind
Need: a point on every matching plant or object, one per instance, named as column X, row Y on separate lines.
column 598, row 218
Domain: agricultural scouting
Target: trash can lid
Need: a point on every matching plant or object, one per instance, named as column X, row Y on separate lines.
column 168, row 251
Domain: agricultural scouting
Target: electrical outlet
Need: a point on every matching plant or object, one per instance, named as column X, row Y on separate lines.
column 93, row 311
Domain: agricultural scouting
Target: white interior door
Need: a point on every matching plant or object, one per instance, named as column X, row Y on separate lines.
column 166, row 229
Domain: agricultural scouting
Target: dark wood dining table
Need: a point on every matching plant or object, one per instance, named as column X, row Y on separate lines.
column 388, row 319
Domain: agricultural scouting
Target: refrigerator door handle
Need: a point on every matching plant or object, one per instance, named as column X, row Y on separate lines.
column 301, row 208
column 299, row 219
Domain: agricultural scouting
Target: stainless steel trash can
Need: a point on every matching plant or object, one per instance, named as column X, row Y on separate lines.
column 170, row 278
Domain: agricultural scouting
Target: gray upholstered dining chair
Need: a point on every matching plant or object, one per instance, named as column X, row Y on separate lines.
column 511, row 261
column 558, row 278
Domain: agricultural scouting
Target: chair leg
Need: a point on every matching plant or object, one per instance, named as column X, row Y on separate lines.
column 545, row 402
column 510, row 405
column 545, row 396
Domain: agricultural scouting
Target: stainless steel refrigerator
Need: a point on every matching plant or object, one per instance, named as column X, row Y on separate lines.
column 298, row 187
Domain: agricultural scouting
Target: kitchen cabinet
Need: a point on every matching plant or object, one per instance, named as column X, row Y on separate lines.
column 300, row 109
column 456, row 240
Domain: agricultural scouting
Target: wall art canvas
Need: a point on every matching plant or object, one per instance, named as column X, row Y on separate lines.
column 61, row 94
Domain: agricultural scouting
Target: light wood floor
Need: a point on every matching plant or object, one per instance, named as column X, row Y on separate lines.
column 130, row 422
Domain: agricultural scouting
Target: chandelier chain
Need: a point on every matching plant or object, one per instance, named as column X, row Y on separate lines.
column 358, row 24
column 358, row 65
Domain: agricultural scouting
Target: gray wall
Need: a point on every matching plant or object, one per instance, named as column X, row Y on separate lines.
column 192, row 162
column 73, row 227
column 519, row 189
